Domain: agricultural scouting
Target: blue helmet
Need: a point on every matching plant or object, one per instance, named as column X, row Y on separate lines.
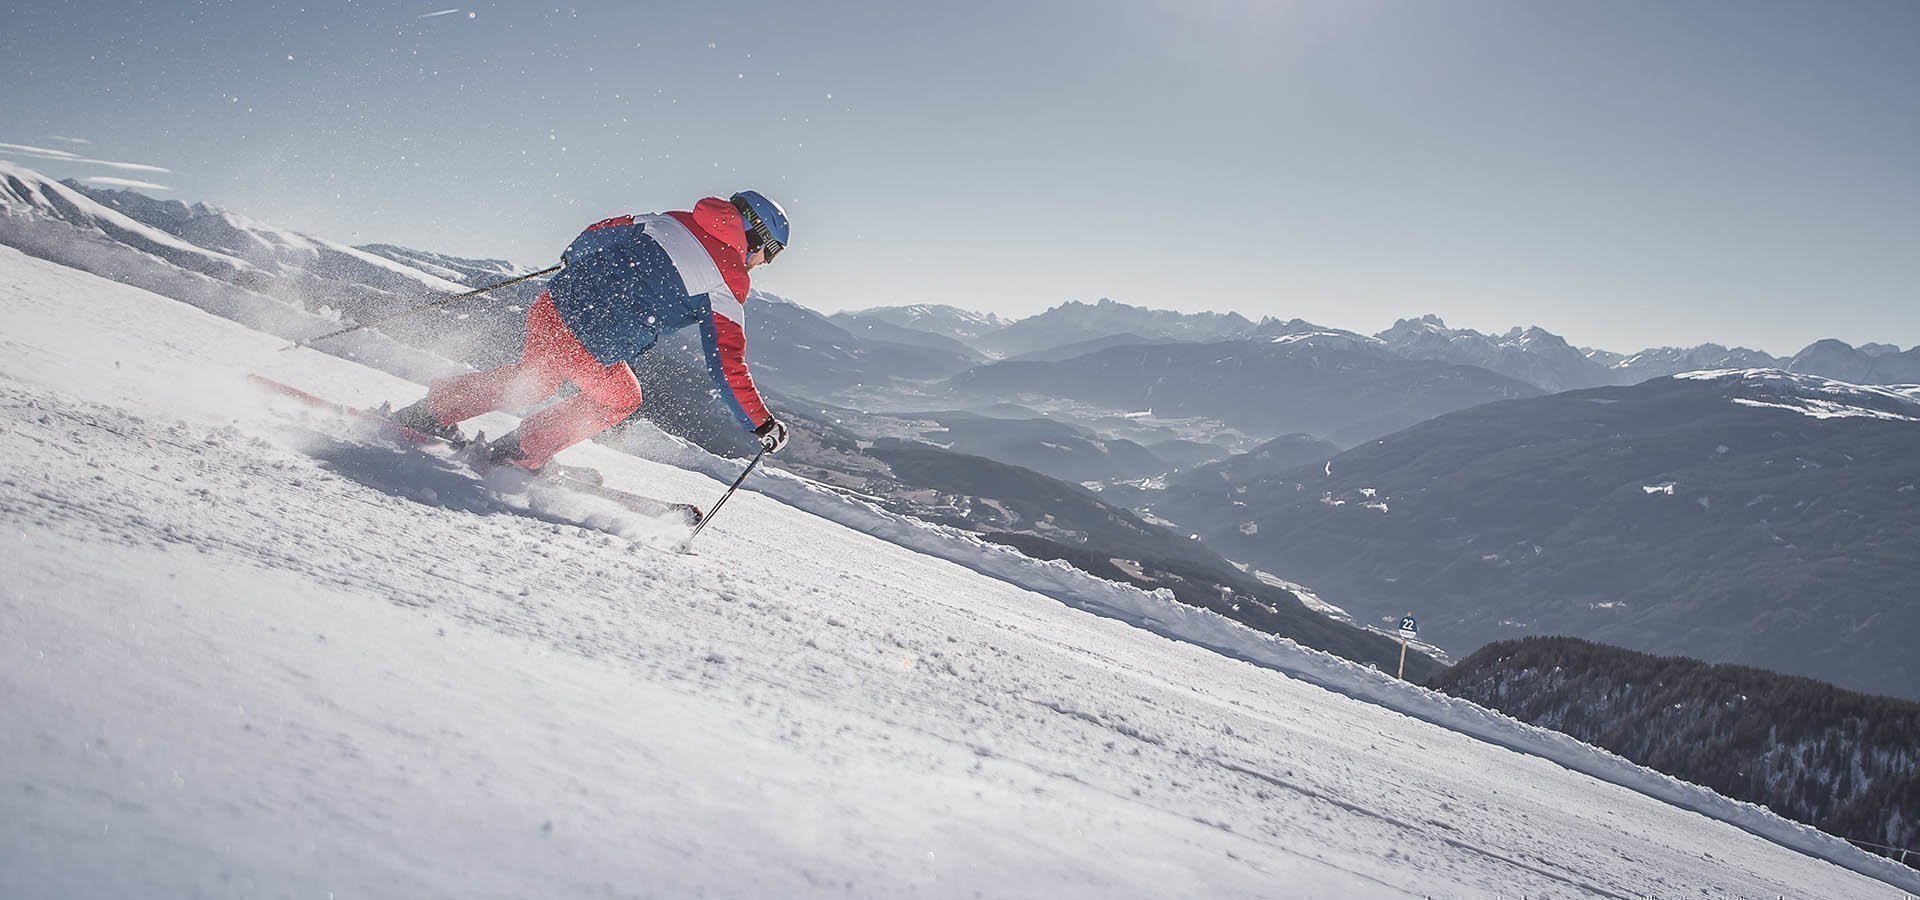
column 766, row 223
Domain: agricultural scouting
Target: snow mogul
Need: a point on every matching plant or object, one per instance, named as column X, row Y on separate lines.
column 624, row 282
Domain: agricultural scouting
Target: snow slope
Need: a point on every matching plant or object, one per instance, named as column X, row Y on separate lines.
column 26, row 192
column 1814, row 396
column 244, row 656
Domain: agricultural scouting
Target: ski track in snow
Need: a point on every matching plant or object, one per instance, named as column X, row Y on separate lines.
column 249, row 653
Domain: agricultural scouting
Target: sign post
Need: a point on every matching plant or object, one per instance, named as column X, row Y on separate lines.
column 1408, row 629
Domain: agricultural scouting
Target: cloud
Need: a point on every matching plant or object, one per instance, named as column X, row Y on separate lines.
column 109, row 181
column 67, row 140
column 64, row 156
column 43, row 152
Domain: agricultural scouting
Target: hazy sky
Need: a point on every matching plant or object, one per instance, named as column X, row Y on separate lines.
column 1625, row 174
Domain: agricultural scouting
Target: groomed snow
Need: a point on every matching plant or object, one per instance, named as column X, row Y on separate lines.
column 245, row 656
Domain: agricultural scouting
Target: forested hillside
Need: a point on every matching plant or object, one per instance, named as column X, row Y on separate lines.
column 1841, row 761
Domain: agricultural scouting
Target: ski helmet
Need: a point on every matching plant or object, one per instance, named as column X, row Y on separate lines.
column 766, row 223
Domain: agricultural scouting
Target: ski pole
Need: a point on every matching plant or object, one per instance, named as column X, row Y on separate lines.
column 723, row 498
column 440, row 302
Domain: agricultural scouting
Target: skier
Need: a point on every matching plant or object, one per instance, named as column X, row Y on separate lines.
column 625, row 282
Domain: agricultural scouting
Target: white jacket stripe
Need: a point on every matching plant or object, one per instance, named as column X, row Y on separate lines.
column 697, row 270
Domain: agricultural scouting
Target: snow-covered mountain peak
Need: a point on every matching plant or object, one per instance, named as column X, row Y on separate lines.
column 1075, row 321
column 23, row 190
column 951, row 322
column 982, row 319
column 267, row 246
column 1301, row 333
column 1431, row 328
column 1144, row 319
column 1531, row 354
column 781, row 299
column 1323, row 338
column 1657, row 362
column 1869, row 364
column 1532, row 336
column 30, row 199
column 915, row 312
column 1430, row 322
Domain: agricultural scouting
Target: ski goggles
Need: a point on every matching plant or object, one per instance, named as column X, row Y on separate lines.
column 762, row 239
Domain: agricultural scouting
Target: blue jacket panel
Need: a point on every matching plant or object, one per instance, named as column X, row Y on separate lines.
column 620, row 292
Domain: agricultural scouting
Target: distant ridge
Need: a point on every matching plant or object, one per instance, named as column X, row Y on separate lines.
column 1752, row 516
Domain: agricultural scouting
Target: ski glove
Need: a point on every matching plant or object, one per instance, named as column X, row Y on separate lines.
column 773, row 435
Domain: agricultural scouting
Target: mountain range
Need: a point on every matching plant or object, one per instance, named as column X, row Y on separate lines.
column 881, row 330
column 1531, row 354
column 951, row 322
column 1338, row 386
column 808, row 353
column 1049, row 518
column 1749, row 516
column 1073, row 321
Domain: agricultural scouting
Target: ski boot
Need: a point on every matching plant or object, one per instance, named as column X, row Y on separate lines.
column 505, row 451
column 419, row 417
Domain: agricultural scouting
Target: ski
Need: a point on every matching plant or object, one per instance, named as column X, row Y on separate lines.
column 578, row 479
column 417, row 438
column 644, row 505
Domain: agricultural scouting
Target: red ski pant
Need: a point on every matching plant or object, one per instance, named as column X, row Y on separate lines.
column 552, row 357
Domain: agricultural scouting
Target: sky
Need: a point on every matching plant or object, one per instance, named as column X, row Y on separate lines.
column 1624, row 174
